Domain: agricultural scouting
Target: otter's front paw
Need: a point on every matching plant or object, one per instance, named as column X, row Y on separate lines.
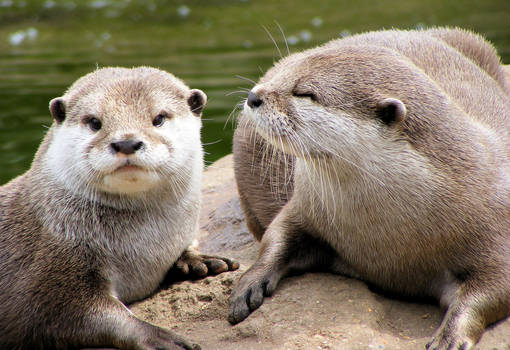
column 450, row 342
column 442, row 344
column 157, row 338
column 249, row 294
column 192, row 264
column 459, row 330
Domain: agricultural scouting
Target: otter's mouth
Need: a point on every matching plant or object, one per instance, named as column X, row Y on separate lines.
column 129, row 178
column 128, row 168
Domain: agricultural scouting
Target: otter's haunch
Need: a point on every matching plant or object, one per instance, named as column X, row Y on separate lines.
column 110, row 203
column 383, row 156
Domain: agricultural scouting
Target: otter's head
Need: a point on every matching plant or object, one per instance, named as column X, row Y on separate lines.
column 125, row 131
column 343, row 102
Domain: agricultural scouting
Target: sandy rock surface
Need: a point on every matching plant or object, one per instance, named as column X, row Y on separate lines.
column 313, row 311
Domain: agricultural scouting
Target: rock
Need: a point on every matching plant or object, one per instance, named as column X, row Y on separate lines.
column 312, row 311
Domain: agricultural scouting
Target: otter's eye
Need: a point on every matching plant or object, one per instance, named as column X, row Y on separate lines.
column 94, row 123
column 309, row 95
column 159, row 119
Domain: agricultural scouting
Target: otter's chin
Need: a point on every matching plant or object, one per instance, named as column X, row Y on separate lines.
column 130, row 180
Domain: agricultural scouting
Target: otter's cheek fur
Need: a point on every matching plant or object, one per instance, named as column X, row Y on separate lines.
column 302, row 134
column 68, row 151
column 182, row 144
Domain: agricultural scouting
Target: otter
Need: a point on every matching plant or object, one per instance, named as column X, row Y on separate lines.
column 109, row 207
column 384, row 156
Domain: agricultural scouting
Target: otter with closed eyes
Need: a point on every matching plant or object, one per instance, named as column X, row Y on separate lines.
column 384, row 156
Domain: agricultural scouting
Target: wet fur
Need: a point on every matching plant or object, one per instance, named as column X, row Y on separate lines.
column 415, row 203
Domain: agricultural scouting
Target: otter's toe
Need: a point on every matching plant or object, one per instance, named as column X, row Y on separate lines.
column 218, row 264
column 449, row 343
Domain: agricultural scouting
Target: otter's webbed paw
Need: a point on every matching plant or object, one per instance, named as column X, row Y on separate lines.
column 249, row 294
column 192, row 265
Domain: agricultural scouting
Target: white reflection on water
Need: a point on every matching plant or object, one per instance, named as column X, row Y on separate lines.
column 317, row 22
column 183, row 11
column 99, row 4
column 6, row 3
column 292, row 40
column 305, row 35
column 19, row 36
column 50, row 4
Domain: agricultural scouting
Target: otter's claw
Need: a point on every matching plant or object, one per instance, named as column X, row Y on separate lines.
column 250, row 293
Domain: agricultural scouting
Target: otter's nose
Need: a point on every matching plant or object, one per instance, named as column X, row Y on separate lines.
column 253, row 100
column 126, row 147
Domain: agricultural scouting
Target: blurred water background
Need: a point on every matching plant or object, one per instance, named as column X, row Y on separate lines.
column 210, row 44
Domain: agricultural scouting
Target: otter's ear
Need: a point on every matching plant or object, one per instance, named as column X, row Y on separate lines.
column 391, row 111
column 196, row 101
column 58, row 109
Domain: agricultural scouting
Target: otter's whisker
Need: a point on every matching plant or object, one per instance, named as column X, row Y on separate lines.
column 243, row 92
column 212, row 142
column 245, row 78
column 284, row 37
column 273, row 40
column 237, row 106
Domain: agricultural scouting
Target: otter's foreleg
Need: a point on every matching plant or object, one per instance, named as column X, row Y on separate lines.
column 128, row 332
column 73, row 306
column 106, row 323
column 474, row 306
column 286, row 248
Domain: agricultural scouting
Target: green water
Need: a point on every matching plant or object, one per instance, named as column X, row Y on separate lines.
column 46, row 45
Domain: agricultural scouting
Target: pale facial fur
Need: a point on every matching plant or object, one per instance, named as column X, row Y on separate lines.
column 166, row 150
column 83, row 159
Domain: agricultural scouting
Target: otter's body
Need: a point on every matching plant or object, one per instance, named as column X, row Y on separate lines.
column 109, row 205
column 397, row 161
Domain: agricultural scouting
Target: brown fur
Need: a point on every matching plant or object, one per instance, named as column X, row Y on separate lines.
column 72, row 252
column 397, row 142
column 258, row 190
column 507, row 72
